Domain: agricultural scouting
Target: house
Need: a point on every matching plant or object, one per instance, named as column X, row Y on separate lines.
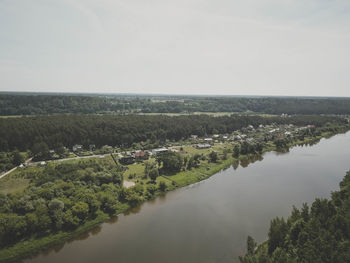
column 195, row 137
column 208, row 139
column 159, row 151
column 141, row 155
column 43, row 163
column 92, row 147
column 127, row 160
column 77, row 148
column 203, row 146
column 216, row 135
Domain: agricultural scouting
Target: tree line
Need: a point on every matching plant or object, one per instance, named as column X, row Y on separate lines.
column 319, row 233
column 25, row 133
column 37, row 104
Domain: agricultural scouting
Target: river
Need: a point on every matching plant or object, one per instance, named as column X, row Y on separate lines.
column 209, row 221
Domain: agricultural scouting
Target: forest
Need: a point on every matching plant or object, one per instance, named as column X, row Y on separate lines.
column 42, row 104
column 320, row 233
column 28, row 133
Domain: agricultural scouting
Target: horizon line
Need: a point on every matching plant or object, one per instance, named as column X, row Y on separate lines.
column 165, row 94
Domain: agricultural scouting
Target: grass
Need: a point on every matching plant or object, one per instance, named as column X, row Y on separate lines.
column 11, row 184
column 204, row 171
column 137, row 169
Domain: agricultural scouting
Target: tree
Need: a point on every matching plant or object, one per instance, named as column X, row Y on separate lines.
column 132, row 197
column 236, row 151
column 277, row 233
column 80, row 210
column 251, row 245
column 171, row 162
column 40, row 150
column 213, row 156
column 281, row 143
column 17, row 158
column 153, row 174
column 56, row 211
column 162, row 186
column 225, row 154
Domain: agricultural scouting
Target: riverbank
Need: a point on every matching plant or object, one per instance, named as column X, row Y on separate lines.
column 31, row 247
column 205, row 171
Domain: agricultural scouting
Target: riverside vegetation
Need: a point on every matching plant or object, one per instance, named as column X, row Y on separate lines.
column 320, row 233
column 62, row 200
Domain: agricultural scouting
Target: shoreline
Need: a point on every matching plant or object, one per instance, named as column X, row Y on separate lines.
column 31, row 247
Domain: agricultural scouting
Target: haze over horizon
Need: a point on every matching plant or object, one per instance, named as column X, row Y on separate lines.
column 254, row 47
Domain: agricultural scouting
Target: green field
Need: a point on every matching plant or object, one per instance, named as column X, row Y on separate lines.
column 10, row 184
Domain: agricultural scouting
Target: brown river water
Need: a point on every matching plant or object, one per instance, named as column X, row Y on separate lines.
column 210, row 220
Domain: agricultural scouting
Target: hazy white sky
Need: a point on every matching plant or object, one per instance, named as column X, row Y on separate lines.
column 246, row 47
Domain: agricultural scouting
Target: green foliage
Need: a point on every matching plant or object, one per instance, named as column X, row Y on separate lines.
column 213, row 156
column 251, row 245
column 61, row 197
column 281, row 143
column 40, row 151
column 162, row 186
column 236, row 151
column 8, row 160
column 319, row 234
column 171, row 162
column 153, row 174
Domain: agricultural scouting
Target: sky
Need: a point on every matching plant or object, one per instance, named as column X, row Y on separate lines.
column 221, row 47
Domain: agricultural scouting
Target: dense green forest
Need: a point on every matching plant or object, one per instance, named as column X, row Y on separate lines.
column 320, row 233
column 30, row 133
column 36, row 104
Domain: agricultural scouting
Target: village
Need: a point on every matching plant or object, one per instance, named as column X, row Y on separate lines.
column 134, row 159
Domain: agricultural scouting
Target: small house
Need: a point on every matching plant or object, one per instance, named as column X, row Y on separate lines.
column 159, row 151
column 141, row 155
column 203, row 146
column 77, row 148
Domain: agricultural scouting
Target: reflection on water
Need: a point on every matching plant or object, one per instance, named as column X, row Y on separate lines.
column 244, row 162
column 209, row 221
column 134, row 210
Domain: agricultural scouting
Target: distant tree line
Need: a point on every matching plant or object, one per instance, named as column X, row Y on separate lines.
column 38, row 104
column 53, row 132
column 320, row 233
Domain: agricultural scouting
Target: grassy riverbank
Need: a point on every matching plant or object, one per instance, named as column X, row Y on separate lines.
column 30, row 247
